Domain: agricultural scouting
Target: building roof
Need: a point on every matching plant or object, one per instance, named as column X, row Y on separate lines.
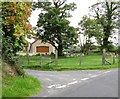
column 34, row 41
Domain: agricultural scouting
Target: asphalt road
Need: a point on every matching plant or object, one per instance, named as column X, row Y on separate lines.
column 80, row 83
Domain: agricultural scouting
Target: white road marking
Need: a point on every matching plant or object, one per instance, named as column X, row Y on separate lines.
column 51, row 86
column 71, row 83
column 94, row 76
column 49, row 79
column 89, row 74
column 107, row 71
column 74, row 82
column 62, row 86
column 84, row 78
column 44, row 96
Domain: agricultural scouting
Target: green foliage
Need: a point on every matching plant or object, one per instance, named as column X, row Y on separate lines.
column 113, row 48
column 53, row 26
column 8, row 54
column 15, row 18
column 89, row 28
column 15, row 26
column 15, row 22
column 106, row 15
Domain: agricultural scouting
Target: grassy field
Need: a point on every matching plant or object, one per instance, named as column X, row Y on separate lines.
column 93, row 61
column 19, row 86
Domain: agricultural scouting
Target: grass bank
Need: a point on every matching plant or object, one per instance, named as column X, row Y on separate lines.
column 91, row 62
column 19, row 86
column 14, row 85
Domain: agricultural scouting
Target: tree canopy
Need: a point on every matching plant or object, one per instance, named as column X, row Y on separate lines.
column 106, row 15
column 53, row 25
column 15, row 26
column 89, row 28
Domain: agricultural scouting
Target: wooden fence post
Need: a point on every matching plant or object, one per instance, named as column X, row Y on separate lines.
column 103, row 57
column 40, row 59
column 56, row 57
column 80, row 58
column 27, row 52
column 113, row 58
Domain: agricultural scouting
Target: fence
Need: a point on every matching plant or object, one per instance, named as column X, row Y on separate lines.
column 36, row 60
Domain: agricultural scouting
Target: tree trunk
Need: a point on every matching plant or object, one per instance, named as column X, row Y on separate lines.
column 60, row 50
column 105, row 40
column 107, row 33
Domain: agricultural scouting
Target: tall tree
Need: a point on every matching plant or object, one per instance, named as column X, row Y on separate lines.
column 53, row 26
column 15, row 26
column 89, row 29
column 106, row 16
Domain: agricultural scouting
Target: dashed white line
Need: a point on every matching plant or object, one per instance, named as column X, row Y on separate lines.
column 62, row 86
column 107, row 71
column 93, row 76
column 74, row 79
column 51, row 86
column 44, row 96
column 84, row 78
column 72, row 82
column 89, row 74
column 49, row 79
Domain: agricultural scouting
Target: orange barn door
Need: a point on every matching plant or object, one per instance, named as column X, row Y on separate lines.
column 42, row 49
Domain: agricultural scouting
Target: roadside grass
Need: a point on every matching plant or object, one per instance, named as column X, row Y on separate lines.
column 92, row 61
column 20, row 87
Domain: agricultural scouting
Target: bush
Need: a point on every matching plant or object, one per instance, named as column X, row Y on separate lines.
column 9, row 55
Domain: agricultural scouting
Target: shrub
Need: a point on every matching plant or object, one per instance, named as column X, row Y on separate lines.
column 9, row 55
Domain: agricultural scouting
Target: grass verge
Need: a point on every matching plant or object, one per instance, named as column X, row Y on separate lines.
column 89, row 62
column 62, row 68
column 20, row 87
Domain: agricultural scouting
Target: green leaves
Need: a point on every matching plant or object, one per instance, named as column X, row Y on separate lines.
column 54, row 26
column 15, row 27
column 106, row 16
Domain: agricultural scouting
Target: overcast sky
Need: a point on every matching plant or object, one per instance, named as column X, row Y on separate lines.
column 82, row 9
column 77, row 14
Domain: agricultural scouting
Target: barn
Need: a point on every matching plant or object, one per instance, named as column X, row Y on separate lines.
column 39, row 47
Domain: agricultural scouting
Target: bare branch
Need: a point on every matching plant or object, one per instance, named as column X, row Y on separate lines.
column 58, row 3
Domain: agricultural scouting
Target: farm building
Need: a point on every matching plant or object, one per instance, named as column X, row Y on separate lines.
column 39, row 47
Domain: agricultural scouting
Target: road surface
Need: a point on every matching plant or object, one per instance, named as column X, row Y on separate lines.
column 80, row 83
